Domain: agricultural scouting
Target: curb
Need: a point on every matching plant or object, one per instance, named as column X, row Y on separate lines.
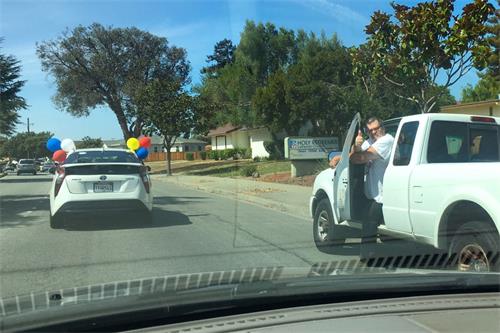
column 281, row 207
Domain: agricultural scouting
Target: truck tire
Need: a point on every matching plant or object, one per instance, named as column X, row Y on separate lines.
column 56, row 221
column 475, row 247
column 325, row 232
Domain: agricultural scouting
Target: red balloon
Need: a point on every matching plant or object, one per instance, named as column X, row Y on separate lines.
column 145, row 142
column 59, row 156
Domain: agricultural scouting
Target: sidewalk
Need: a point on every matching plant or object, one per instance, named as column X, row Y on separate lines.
column 290, row 199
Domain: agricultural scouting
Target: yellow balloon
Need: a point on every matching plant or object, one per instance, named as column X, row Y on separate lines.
column 133, row 144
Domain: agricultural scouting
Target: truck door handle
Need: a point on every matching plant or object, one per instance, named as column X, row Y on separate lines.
column 345, row 181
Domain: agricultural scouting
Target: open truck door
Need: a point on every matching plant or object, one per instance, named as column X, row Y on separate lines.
column 341, row 186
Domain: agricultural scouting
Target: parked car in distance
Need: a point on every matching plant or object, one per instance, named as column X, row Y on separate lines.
column 48, row 167
column 26, row 166
column 9, row 167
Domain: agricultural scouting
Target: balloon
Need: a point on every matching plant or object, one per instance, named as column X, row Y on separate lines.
column 145, row 142
column 133, row 144
column 142, row 153
column 68, row 145
column 59, row 156
column 53, row 144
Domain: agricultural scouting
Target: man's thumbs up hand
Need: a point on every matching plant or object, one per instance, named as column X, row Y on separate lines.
column 359, row 139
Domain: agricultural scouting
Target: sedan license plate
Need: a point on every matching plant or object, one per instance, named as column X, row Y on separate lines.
column 103, row 187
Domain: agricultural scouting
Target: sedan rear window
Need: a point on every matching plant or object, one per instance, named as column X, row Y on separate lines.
column 99, row 156
column 26, row 162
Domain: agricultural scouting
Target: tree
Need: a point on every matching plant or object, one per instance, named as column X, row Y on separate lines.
column 88, row 142
column 423, row 44
column 318, row 89
column 223, row 55
column 98, row 66
column 263, row 49
column 488, row 86
column 27, row 145
column 170, row 112
column 10, row 86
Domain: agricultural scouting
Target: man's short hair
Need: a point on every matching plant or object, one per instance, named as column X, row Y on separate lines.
column 372, row 119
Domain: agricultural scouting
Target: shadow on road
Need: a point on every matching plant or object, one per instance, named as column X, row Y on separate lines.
column 161, row 219
column 174, row 200
column 33, row 179
column 21, row 210
column 394, row 252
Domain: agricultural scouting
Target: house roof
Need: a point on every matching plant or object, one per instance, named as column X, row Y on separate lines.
column 491, row 102
column 193, row 141
column 227, row 128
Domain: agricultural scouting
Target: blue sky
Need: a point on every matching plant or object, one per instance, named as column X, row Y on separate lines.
column 194, row 25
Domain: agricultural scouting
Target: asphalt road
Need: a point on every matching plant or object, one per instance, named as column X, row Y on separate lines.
column 192, row 231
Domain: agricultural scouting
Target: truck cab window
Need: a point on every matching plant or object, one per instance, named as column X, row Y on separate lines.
column 447, row 143
column 405, row 142
column 484, row 144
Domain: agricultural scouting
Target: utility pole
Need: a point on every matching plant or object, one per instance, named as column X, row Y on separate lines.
column 28, row 124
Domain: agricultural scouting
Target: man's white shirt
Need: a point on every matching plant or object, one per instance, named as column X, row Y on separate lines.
column 376, row 168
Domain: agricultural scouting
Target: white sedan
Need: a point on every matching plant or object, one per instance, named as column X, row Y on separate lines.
column 101, row 181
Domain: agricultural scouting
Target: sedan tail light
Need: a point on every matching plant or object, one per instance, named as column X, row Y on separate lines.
column 60, row 175
column 145, row 179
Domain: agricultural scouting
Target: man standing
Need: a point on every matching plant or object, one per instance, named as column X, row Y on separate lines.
column 374, row 153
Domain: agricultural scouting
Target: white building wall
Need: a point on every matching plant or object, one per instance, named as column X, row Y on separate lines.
column 241, row 139
column 257, row 139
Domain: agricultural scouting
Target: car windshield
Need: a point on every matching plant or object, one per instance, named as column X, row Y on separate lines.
column 98, row 156
column 188, row 150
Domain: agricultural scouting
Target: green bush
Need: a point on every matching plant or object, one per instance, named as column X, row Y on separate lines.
column 244, row 153
column 214, row 155
column 222, row 155
column 190, row 156
column 230, row 153
column 248, row 170
column 203, row 155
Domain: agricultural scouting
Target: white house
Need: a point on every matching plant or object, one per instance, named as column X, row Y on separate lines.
column 230, row 137
column 483, row 108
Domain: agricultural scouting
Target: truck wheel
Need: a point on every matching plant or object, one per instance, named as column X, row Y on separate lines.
column 325, row 232
column 56, row 221
column 475, row 247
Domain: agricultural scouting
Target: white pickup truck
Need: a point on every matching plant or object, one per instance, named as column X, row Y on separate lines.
column 441, row 187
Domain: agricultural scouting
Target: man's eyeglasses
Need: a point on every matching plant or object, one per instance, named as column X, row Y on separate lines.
column 374, row 129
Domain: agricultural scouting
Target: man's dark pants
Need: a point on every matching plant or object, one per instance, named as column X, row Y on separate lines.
column 374, row 217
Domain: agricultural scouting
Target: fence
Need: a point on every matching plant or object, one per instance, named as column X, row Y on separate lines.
column 162, row 156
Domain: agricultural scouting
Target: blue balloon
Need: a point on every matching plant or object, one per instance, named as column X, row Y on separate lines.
column 142, row 153
column 53, row 144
